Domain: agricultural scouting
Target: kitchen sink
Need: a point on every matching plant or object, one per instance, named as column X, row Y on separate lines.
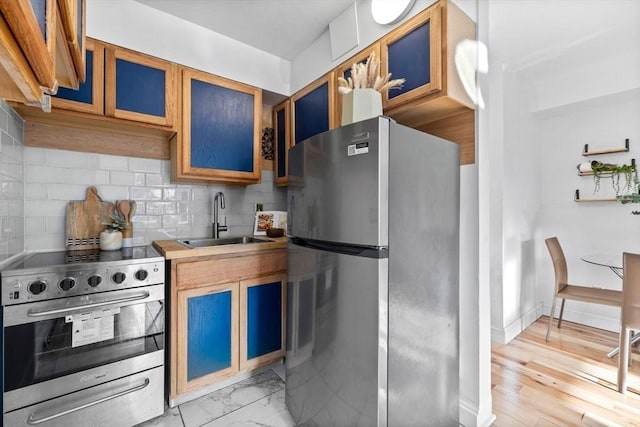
column 201, row 243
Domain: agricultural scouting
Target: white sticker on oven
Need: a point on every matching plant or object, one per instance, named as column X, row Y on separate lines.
column 92, row 327
column 359, row 148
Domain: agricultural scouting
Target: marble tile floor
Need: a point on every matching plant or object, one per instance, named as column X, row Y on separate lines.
column 256, row 401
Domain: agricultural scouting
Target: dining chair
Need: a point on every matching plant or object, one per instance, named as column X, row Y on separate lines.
column 630, row 316
column 565, row 290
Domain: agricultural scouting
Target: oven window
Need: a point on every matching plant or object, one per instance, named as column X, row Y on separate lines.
column 43, row 350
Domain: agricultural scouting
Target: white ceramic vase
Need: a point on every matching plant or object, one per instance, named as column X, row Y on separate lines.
column 361, row 104
column 110, row 240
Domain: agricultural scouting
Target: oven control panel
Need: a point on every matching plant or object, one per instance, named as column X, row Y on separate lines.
column 65, row 282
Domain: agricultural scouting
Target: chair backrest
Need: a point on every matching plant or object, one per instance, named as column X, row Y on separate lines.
column 631, row 290
column 559, row 262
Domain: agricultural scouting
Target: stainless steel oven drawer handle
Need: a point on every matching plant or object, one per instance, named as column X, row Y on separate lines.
column 137, row 297
column 33, row 420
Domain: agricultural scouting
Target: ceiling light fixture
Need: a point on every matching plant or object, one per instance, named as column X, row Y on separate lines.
column 387, row 12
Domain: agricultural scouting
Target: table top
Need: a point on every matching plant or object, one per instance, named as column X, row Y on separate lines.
column 611, row 260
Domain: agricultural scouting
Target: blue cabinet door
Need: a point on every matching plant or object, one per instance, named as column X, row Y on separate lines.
column 220, row 138
column 313, row 108
column 140, row 87
column 262, row 302
column 413, row 52
column 207, row 334
column 89, row 97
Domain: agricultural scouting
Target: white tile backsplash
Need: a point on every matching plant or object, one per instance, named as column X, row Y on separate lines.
column 12, row 221
column 145, row 165
column 113, row 163
column 67, row 159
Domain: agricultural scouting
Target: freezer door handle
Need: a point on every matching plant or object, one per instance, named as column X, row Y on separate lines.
column 343, row 248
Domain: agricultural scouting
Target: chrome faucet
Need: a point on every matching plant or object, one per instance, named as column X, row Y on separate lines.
column 217, row 228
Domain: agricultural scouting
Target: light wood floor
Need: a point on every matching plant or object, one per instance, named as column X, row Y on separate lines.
column 564, row 382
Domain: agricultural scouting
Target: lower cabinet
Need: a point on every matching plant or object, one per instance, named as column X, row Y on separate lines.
column 227, row 317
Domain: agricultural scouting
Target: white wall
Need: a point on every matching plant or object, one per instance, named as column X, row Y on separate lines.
column 560, row 76
column 145, row 29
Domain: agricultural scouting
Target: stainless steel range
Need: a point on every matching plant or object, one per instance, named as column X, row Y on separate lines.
column 83, row 338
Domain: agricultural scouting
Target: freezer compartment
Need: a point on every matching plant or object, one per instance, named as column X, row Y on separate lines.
column 333, row 338
column 338, row 185
column 123, row 402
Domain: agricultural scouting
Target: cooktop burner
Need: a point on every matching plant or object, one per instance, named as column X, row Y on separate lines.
column 50, row 259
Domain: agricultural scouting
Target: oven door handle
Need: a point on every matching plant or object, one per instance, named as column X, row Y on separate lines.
column 34, row 420
column 137, row 297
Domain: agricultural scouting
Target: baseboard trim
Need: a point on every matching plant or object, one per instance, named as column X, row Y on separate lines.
column 512, row 330
column 470, row 415
column 608, row 323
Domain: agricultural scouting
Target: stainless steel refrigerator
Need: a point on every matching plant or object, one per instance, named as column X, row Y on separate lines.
column 372, row 292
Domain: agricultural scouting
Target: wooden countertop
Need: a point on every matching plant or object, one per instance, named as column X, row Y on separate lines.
column 171, row 249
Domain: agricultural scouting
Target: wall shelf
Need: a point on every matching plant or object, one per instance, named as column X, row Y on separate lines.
column 603, row 174
column 586, row 151
column 577, row 198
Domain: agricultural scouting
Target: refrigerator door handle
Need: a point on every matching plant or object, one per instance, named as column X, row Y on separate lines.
column 343, row 248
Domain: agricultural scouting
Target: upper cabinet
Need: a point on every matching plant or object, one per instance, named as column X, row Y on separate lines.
column 36, row 56
column 422, row 51
column 124, row 84
column 282, row 140
column 313, row 108
column 219, row 139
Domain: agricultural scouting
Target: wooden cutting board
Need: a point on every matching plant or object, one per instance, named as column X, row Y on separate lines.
column 85, row 221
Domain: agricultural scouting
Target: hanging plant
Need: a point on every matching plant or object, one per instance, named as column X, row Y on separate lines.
column 615, row 172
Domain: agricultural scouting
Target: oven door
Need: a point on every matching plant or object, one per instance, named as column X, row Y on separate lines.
column 64, row 345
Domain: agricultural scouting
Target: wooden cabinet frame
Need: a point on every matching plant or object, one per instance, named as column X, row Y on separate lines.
column 69, row 19
column 113, row 53
column 17, row 80
column 22, row 21
column 288, row 141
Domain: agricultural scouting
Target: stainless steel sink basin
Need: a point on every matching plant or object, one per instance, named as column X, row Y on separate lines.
column 201, row 243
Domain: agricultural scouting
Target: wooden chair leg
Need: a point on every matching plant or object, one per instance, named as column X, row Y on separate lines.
column 623, row 360
column 553, row 309
column 561, row 311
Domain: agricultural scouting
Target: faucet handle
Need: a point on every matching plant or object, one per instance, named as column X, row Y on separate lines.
column 224, row 226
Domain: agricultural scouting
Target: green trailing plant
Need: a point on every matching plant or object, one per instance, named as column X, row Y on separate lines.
column 624, row 178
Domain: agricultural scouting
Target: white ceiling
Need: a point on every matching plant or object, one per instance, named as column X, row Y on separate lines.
column 281, row 27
